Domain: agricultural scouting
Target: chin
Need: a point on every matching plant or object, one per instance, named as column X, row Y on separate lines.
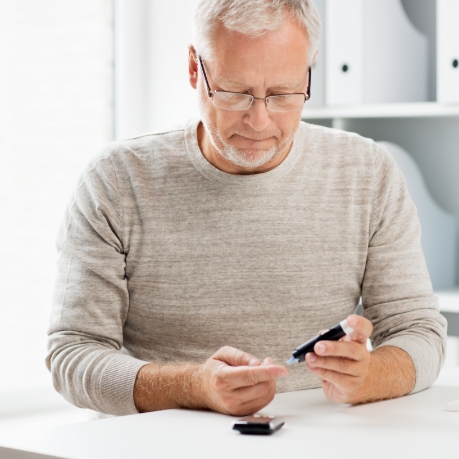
column 250, row 159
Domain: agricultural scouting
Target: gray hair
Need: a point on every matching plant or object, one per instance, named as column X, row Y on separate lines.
column 253, row 18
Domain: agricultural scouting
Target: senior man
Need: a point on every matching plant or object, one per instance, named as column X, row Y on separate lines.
column 192, row 262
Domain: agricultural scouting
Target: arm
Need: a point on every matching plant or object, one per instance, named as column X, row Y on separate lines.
column 231, row 382
column 397, row 294
column 91, row 300
column 90, row 306
column 391, row 374
column 89, row 369
column 401, row 314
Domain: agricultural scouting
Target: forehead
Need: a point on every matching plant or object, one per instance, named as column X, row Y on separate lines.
column 279, row 56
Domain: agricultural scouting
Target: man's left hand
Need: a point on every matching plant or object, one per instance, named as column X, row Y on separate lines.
column 343, row 365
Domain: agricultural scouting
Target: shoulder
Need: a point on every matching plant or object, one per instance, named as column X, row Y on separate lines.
column 337, row 148
column 137, row 155
column 147, row 146
column 335, row 140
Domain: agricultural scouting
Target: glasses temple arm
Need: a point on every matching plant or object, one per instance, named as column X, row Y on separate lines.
column 308, row 92
column 209, row 92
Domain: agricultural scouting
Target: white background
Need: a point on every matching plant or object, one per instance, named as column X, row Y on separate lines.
column 56, row 110
column 152, row 90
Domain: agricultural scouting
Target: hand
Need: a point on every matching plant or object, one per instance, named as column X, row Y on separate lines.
column 343, row 365
column 234, row 382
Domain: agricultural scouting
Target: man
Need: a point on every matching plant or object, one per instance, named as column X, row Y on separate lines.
column 192, row 262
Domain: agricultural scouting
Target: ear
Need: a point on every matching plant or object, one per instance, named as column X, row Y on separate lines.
column 192, row 67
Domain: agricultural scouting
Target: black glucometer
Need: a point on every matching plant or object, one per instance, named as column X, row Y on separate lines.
column 258, row 425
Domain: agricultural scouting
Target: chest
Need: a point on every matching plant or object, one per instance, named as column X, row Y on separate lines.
column 201, row 248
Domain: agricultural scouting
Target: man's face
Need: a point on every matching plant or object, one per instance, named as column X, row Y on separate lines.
column 255, row 140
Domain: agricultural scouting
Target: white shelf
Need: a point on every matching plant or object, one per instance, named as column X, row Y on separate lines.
column 408, row 110
column 448, row 300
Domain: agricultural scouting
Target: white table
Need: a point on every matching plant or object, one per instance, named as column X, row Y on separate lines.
column 416, row 426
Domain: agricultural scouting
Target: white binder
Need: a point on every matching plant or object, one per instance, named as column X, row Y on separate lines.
column 374, row 53
column 448, row 51
column 344, row 51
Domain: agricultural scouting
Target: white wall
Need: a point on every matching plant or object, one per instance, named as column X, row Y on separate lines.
column 153, row 92
column 173, row 100
column 56, row 110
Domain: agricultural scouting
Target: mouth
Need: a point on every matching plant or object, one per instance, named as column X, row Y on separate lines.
column 252, row 143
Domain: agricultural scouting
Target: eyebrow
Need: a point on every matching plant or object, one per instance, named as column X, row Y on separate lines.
column 237, row 84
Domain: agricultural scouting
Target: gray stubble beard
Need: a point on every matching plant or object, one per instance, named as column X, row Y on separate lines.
column 237, row 156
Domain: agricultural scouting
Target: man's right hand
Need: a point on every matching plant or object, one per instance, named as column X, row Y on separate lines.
column 234, row 382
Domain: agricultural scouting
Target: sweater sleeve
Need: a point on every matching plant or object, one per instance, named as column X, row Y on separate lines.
column 91, row 300
column 397, row 293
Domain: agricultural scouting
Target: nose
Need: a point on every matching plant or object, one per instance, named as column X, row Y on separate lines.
column 257, row 116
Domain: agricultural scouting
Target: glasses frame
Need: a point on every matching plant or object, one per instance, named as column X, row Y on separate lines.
column 211, row 94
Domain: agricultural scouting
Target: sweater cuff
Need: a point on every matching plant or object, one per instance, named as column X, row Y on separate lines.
column 426, row 364
column 116, row 384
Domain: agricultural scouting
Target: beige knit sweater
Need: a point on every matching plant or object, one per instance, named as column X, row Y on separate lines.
column 164, row 258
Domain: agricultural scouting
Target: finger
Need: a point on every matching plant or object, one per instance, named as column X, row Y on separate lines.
column 268, row 361
column 248, row 400
column 250, row 376
column 235, row 357
column 352, row 350
column 343, row 382
column 246, row 394
column 252, row 406
column 337, row 364
column 257, row 404
column 362, row 327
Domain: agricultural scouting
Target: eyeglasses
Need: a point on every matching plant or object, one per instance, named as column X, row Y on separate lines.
column 238, row 101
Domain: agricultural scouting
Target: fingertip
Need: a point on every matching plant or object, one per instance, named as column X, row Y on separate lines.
column 319, row 348
column 280, row 371
column 360, row 325
column 254, row 362
column 353, row 320
column 283, row 373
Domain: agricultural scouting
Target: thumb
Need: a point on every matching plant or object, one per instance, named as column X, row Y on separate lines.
column 362, row 328
column 235, row 357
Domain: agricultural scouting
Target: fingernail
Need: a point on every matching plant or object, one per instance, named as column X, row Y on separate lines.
column 254, row 363
column 352, row 321
column 311, row 357
column 319, row 348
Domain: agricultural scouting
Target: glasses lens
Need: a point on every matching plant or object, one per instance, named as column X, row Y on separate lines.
column 232, row 100
column 285, row 103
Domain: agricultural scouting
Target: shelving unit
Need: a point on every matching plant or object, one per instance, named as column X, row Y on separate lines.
column 409, row 110
column 449, row 307
column 428, row 131
column 449, row 300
